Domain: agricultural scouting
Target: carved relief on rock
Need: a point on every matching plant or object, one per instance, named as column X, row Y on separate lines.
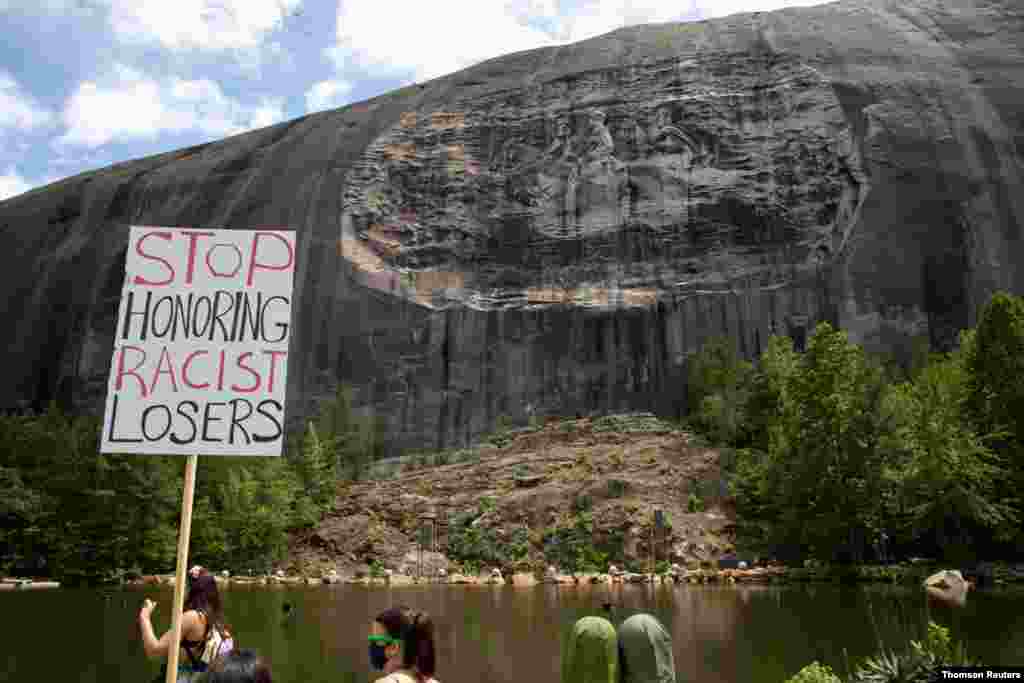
column 556, row 176
column 658, row 182
column 498, row 183
column 601, row 182
column 669, row 141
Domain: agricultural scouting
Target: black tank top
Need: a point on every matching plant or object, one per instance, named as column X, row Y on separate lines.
column 189, row 645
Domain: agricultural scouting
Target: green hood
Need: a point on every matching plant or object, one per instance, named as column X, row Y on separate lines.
column 646, row 651
column 591, row 653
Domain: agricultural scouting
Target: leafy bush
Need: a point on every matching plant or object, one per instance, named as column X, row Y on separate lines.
column 582, row 503
column 376, row 569
column 814, row 673
column 572, row 546
column 640, row 423
column 617, row 488
column 503, row 434
column 916, row 663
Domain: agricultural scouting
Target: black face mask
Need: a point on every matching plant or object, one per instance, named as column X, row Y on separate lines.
column 377, row 657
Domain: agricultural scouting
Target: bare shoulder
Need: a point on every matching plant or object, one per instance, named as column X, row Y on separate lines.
column 192, row 623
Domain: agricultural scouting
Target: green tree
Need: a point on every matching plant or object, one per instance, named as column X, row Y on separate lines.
column 769, row 400
column 945, row 474
column 994, row 357
column 817, row 486
column 994, row 360
column 357, row 441
column 717, row 382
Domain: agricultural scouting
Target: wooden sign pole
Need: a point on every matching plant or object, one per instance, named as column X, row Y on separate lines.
column 179, row 577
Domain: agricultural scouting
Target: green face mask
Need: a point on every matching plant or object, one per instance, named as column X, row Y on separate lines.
column 377, row 644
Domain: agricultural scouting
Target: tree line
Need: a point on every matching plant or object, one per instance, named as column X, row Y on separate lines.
column 848, row 457
column 69, row 512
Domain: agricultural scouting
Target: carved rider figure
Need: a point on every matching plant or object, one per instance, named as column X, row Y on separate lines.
column 599, row 147
column 511, row 152
column 557, row 176
column 561, row 147
column 668, row 139
column 639, row 134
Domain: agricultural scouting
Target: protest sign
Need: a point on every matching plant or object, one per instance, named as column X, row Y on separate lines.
column 200, row 356
column 201, row 347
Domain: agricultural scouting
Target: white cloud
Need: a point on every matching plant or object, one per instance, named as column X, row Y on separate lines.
column 18, row 110
column 200, row 24
column 328, row 95
column 132, row 106
column 11, row 184
column 598, row 17
column 394, row 38
column 722, row 8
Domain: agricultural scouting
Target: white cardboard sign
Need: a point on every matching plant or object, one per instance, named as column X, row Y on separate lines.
column 201, row 347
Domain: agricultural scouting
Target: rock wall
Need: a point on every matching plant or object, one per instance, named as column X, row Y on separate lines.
column 554, row 230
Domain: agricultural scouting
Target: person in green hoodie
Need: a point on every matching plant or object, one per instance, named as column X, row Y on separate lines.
column 591, row 653
column 645, row 649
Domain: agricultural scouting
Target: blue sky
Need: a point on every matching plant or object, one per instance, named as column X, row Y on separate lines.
column 88, row 83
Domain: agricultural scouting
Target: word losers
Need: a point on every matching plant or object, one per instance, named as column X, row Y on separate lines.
column 158, row 421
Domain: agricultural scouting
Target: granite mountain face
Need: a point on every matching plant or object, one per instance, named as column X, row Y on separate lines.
column 553, row 231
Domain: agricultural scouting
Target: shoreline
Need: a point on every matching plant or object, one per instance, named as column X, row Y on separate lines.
column 994, row 574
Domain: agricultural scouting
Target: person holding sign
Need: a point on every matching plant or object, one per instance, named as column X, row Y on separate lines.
column 204, row 637
column 199, row 366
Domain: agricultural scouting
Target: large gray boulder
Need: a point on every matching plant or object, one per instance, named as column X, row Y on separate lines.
column 555, row 230
column 948, row 586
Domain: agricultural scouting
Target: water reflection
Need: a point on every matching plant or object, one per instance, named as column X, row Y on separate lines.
column 720, row 634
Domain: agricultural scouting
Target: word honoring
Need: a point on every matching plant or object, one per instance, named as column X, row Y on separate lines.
column 201, row 349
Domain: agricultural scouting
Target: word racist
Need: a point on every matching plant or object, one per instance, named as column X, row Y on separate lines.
column 261, row 376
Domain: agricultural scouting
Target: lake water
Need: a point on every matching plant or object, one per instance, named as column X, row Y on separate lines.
column 721, row 634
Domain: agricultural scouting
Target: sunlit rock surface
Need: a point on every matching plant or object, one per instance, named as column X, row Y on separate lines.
column 554, row 230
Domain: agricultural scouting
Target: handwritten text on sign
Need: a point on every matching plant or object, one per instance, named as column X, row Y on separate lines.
column 201, row 349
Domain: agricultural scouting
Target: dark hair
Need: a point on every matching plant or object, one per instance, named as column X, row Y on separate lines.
column 241, row 666
column 416, row 631
column 203, row 595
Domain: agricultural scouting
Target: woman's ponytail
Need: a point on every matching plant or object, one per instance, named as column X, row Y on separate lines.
column 416, row 630
column 420, row 652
